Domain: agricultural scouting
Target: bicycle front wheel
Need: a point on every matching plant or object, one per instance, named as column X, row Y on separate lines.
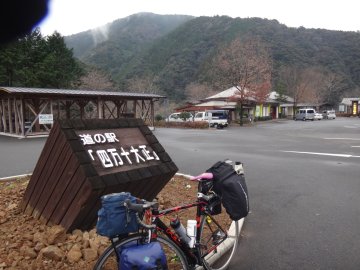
column 175, row 257
column 217, row 244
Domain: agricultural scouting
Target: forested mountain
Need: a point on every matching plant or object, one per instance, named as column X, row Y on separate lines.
column 112, row 46
column 175, row 51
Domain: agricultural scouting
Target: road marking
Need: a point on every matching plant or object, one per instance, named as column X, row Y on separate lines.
column 349, row 139
column 350, row 127
column 355, row 146
column 321, row 154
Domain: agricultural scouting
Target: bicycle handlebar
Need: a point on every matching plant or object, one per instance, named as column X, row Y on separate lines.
column 206, row 176
column 139, row 208
column 142, row 224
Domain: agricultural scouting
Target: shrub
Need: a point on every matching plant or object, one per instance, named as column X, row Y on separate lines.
column 158, row 118
column 188, row 124
column 185, row 115
column 263, row 118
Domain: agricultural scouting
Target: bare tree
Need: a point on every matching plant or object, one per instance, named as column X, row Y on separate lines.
column 296, row 83
column 332, row 84
column 96, row 80
column 246, row 65
column 197, row 91
column 312, row 85
column 145, row 84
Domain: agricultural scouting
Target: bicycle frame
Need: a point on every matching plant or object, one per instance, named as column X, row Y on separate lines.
column 193, row 254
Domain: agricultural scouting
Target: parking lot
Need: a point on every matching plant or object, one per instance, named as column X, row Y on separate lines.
column 303, row 180
column 304, row 185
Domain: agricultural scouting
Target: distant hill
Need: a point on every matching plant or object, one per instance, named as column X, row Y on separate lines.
column 112, row 46
column 178, row 49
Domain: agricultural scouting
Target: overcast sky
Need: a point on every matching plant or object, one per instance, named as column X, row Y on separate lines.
column 74, row 16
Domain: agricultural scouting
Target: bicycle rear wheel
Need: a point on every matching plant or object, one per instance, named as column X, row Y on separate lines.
column 217, row 244
column 175, row 257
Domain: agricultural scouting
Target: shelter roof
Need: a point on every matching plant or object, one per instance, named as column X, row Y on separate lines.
column 72, row 92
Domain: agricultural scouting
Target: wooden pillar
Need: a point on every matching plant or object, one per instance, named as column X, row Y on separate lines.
column 103, row 109
column 16, row 116
column 67, row 108
column 4, row 115
column 52, row 111
column 152, row 112
column 1, row 117
column 82, row 105
column 58, row 110
column 134, row 108
column 11, row 130
column 36, row 104
column 100, row 108
column 22, row 116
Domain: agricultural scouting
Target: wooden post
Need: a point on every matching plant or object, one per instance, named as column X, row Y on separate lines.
column 68, row 105
column 99, row 108
column 36, row 104
column 23, row 116
column 52, row 111
column 4, row 115
column 152, row 113
column 1, row 117
column 58, row 110
column 134, row 108
column 10, row 116
column 16, row 116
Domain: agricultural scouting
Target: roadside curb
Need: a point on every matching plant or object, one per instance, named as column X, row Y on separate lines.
column 14, row 177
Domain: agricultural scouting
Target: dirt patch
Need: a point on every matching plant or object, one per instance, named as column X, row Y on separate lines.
column 26, row 243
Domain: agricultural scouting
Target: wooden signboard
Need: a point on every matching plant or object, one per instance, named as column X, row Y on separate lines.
column 85, row 159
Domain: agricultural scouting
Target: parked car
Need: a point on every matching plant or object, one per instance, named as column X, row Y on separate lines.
column 215, row 118
column 305, row 114
column 175, row 117
column 330, row 114
column 318, row 116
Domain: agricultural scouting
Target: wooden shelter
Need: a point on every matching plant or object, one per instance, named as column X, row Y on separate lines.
column 32, row 111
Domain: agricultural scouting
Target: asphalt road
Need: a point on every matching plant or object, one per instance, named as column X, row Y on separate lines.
column 303, row 180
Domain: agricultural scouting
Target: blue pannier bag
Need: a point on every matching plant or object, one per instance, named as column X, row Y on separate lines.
column 114, row 218
column 146, row 256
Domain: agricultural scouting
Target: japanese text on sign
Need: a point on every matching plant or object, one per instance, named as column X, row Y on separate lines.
column 113, row 157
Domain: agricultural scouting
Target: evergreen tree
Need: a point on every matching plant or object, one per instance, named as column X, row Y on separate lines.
column 35, row 61
column 58, row 69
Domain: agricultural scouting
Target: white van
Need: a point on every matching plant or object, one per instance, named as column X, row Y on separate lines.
column 215, row 118
column 305, row 114
column 175, row 117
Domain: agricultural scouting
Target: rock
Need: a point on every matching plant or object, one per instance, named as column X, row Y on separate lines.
column 89, row 254
column 56, row 234
column 93, row 234
column 77, row 232
column 39, row 246
column 86, row 236
column 39, row 238
column 86, row 243
column 28, row 236
column 11, row 206
column 53, row 253
column 94, row 243
column 74, row 255
column 28, row 252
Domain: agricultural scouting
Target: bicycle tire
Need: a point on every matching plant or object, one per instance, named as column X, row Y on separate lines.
column 175, row 257
column 220, row 257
